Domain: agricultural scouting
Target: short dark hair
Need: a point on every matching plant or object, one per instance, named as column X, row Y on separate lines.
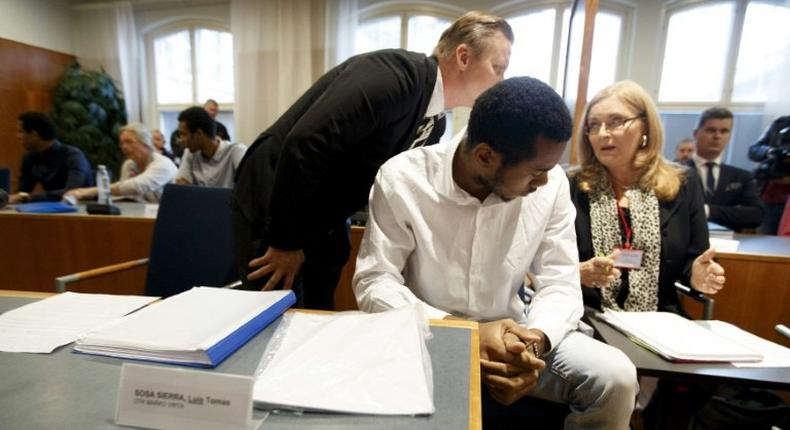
column 38, row 122
column 196, row 118
column 713, row 113
column 510, row 115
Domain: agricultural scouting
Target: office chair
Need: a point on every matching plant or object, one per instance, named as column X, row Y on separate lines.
column 192, row 244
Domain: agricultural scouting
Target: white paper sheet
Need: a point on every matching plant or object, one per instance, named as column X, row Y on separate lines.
column 774, row 355
column 42, row 326
column 351, row 362
column 724, row 245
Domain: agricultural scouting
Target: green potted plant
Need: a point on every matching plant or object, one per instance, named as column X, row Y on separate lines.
column 88, row 110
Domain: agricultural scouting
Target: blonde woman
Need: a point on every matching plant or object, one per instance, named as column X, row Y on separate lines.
column 633, row 206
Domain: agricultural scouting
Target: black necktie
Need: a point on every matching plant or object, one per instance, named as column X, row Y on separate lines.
column 425, row 129
column 710, row 183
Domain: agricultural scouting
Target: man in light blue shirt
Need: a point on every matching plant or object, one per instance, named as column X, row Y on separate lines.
column 209, row 161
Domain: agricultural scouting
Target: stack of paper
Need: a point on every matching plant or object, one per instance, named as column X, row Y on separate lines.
column 47, row 324
column 349, row 362
column 200, row 327
column 719, row 231
column 678, row 339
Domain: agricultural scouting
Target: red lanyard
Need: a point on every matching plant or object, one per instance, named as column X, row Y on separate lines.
column 626, row 227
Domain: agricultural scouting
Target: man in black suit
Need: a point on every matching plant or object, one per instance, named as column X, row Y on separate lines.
column 731, row 197
column 313, row 168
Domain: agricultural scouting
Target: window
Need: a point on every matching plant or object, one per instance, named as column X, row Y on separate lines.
column 412, row 31
column 765, row 41
column 695, row 54
column 541, row 44
column 190, row 66
column 730, row 58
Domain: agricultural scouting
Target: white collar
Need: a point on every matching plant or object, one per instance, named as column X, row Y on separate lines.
column 700, row 162
column 436, row 104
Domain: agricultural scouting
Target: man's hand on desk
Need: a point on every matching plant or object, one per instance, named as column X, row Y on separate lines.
column 280, row 265
column 509, row 367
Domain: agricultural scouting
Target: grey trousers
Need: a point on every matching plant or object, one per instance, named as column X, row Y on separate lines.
column 597, row 381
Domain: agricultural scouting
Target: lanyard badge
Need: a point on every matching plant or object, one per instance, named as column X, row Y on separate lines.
column 629, row 257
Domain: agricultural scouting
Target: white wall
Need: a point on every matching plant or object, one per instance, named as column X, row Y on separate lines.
column 42, row 23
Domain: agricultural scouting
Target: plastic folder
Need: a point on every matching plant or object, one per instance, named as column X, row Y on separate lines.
column 200, row 327
column 45, row 208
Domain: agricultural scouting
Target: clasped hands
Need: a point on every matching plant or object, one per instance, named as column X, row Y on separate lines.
column 509, row 368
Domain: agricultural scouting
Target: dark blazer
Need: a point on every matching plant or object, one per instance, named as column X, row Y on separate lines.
column 735, row 203
column 58, row 169
column 314, row 166
column 684, row 236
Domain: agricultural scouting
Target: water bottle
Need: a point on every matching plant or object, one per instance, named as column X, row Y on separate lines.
column 103, row 185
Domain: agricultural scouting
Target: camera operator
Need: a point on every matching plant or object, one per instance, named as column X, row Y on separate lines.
column 772, row 151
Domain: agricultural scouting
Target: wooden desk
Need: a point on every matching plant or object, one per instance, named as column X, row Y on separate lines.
column 756, row 296
column 36, row 248
column 66, row 390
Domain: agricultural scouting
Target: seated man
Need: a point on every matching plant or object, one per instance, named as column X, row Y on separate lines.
column 158, row 139
column 212, row 107
column 209, row 161
column 145, row 172
column 731, row 197
column 56, row 166
column 684, row 150
column 458, row 226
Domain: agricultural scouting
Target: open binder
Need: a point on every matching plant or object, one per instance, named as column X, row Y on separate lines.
column 678, row 339
column 200, row 327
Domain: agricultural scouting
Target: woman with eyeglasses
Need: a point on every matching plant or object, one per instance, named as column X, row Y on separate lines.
column 640, row 220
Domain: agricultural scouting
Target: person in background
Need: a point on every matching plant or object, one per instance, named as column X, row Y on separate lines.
column 457, row 227
column 145, row 172
column 633, row 206
column 158, row 139
column 684, row 150
column 57, row 167
column 212, row 107
column 209, row 161
column 313, row 168
column 731, row 197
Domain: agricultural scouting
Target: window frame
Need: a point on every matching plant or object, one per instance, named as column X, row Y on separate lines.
column 191, row 26
column 406, row 10
column 625, row 11
column 737, row 22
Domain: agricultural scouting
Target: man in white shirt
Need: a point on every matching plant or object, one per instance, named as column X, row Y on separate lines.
column 209, row 161
column 458, row 226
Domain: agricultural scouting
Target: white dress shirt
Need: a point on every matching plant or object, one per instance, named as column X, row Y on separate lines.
column 702, row 169
column 429, row 241
column 218, row 171
column 148, row 184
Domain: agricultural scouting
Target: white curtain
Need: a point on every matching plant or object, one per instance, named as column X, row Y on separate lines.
column 341, row 27
column 274, row 59
column 105, row 36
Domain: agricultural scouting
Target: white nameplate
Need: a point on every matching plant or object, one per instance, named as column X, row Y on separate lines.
column 176, row 398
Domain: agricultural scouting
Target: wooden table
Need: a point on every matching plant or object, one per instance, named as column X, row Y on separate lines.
column 36, row 248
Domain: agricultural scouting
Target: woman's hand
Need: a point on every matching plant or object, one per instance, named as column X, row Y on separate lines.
column 707, row 276
column 599, row 272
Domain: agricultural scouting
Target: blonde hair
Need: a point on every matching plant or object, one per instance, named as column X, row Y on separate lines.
column 474, row 29
column 655, row 173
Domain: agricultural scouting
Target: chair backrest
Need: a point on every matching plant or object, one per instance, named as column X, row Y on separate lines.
column 193, row 241
column 5, row 179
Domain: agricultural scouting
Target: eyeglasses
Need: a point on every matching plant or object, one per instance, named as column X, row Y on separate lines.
column 614, row 125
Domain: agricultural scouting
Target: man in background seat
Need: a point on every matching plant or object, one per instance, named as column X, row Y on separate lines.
column 731, row 197
column 209, row 161
column 56, row 166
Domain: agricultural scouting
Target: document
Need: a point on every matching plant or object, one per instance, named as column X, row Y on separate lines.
column 774, row 355
column 42, row 326
column 200, row 327
column 678, row 339
column 349, row 362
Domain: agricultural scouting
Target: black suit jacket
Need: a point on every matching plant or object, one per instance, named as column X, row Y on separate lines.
column 315, row 165
column 684, row 236
column 735, row 203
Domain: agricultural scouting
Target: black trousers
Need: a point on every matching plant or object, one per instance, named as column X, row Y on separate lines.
column 325, row 256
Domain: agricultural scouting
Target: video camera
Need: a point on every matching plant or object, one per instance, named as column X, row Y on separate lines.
column 772, row 151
